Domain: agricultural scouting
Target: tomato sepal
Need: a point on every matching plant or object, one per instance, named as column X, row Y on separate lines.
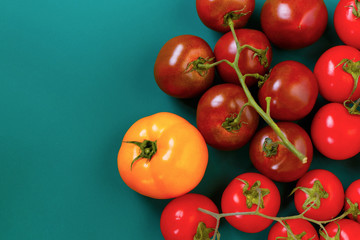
column 254, row 194
column 315, row 194
column 203, row 232
column 147, row 150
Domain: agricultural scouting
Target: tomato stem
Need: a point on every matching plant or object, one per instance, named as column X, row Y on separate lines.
column 147, row 150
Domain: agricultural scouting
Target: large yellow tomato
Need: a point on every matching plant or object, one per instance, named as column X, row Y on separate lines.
column 162, row 156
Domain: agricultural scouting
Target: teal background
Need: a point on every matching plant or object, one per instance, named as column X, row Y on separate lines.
column 74, row 76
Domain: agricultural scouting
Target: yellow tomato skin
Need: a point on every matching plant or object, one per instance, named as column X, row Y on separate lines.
column 178, row 165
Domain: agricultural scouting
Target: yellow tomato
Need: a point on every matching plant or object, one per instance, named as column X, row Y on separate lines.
column 162, row 156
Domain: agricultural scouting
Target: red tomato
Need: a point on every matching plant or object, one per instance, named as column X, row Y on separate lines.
column 352, row 193
column 281, row 165
column 293, row 24
column 213, row 13
column 216, row 117
column 180, row 218
column 335, row 132
column 172, row 71
column 347, row 22
column 301, row 228
column 293, row 90
column 322, row 189
column 241, row 196
column 349, row 230
column 336, row 85
column 225, row 48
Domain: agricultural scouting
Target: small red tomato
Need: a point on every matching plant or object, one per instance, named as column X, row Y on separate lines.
column 301, row 228
column 180, row 218
column 218, row 120
column 249, row 62
column 343, row 229
column 293, row 90
column 293, row 24
column 352, row 194
column 178, row 70
column 214, row 13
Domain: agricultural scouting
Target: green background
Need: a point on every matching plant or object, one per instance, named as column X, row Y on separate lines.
column 74, row 76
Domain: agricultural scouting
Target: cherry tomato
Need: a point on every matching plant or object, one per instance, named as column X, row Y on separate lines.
column 214, row 13
column 274, row 160
column 301, row 228
column 352, row 193
column 349, row 230
column 322, row 192
column 180, row 218
column 335, row 132
column 162, row 156
column 293, row 90
column 249, row 62
column 293, row 24
column 335, row 84
column 218, row 120
column 177, row 70
column 241, row 195
column 347, row 22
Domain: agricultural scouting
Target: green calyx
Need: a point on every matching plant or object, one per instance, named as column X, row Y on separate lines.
column 336, row 237
column 352, row 107
column 315, row 194
column 200, row 65
column 203, row 232
column 356, row 9
column 270, row 147
column 353, row 68
column 232, row 123
column 291, row 235
column 147, row 150
column 354, row 209
column 234, row 15
column 254, row 194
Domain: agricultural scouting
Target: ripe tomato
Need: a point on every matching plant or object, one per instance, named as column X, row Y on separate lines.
column 174, row 72
column 216, row 117
column 293, row 24
column 335, row 132
column 241, row 195
column 214, row 13
column 301, row 228
column 349, row 230
column 352, row 193
column 322, row 189
column 225, row 48
column 162, row 156
column 335, row 84
column 347, row 22
column 180, row 218
column 276, row 161
column 293, row 90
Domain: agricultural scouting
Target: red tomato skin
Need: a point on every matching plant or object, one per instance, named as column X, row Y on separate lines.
column 347, row 25
column 335, row 85
column 171, row 67
column 329, row 207
column 218, row 103
column 225, row 48
column 284, row 166
column 297, row 226
column 349, row 229
column 293, row 24
column 233, row 200
column 212, row 12
column 335, row 132
column 353, row 194
column 180, row 217
column 293, row 90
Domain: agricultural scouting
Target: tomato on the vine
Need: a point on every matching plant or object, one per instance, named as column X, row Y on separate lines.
column 301, row 228
column 352, row 194
column 343, row 229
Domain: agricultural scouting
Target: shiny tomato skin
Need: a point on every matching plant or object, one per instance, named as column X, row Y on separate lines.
column 297, row 226
column 347, row 25
column 225, row 48
column 353, row 194
column 293, row 90
column 349, row 230
column 171, row 71
column 335, row 132
column 293, row 24
column 212, row 12
column 336, row 85
column 180, row 217
column 218, row 103
column 179, row 163
column 284, row 166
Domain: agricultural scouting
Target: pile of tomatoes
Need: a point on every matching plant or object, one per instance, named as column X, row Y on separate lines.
column 163, row 156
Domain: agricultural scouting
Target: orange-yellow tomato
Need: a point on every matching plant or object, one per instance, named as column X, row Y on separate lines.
column 162, row 156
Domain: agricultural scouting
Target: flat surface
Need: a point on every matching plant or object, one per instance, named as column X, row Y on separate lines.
column 74, row 76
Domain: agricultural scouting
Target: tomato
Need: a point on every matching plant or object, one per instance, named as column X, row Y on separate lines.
column 218, row 120
column 214, row 13
column 293, row 90
column 322, row 192
column 225, row 48
column 352, row 193
column 177, row 70
column 335, row 132
column 335, row 84
column 241, row 195
column 349, row 230
column 293, row 24
column 162, row 156
column 301, row 228
column 347, row 22
column 180, row 218
column 274, row 160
